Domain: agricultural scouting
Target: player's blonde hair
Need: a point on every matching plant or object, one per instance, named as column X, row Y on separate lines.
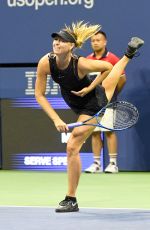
column 81, row 31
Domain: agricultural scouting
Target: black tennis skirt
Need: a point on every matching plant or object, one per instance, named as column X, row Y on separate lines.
column 90, row 104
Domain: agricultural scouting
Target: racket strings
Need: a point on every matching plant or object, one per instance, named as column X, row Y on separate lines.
column 118, row 116
column 124, row 116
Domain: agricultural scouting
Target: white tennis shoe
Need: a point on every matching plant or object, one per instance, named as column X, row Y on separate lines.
column 93, row 168
column 111, row 168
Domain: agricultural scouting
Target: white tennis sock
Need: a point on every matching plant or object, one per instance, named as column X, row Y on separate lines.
column 97, row 159
column 113, row 158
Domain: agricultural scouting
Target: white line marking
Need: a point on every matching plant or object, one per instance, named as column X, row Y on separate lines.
column 53, row 207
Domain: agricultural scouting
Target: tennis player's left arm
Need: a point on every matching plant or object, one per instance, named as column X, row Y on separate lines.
column 121, row 83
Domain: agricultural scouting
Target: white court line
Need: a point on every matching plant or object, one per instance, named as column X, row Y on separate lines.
column 53, row 207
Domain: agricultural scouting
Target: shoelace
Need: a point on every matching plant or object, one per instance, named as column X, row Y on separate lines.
column 64, row 202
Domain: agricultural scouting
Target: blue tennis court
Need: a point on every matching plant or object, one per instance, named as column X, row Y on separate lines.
column 45, row 218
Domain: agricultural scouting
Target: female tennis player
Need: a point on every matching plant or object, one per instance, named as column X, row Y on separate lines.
column 70, row 72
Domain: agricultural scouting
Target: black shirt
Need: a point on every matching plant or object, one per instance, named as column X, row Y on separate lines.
column 69, row 80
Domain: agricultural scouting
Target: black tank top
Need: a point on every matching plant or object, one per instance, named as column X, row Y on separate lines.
column 68, row 80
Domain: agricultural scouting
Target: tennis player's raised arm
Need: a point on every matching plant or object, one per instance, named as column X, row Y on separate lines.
column 88, row 66
column 40, row 87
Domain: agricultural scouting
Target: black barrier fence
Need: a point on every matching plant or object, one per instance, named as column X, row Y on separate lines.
column 30, row 140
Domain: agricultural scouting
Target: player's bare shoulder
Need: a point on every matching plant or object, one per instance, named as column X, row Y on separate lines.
column 43, row 64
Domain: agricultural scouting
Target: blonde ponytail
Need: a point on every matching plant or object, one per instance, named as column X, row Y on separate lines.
column 81, row 32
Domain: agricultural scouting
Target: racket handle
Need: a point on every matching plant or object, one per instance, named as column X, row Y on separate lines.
column 76, row 124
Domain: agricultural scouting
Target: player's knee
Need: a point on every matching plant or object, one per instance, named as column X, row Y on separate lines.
column 75, row 141
column 72, row 149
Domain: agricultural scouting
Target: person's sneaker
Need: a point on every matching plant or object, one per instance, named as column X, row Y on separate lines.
column 67, row 205
column 93, row 168
column 111, row 168
column 133, row 46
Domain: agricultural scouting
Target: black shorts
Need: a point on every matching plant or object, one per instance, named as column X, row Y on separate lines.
column 90, row 104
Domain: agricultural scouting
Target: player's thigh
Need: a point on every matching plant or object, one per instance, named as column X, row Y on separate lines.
column 81, row 133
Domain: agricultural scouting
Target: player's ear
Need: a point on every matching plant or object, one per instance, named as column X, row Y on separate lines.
column 72, row 45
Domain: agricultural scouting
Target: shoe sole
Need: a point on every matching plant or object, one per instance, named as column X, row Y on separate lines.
column 62, row 211
column 92, row 172
column 136, row 43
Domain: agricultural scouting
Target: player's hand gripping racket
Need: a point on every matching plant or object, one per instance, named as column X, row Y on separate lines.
column 114, row 116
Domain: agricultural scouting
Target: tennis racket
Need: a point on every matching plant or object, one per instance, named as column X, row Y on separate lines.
column 115, row 116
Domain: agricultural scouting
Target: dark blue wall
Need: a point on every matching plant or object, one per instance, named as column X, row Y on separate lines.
column 25, row 32
column 25, row 37
column 134, row 144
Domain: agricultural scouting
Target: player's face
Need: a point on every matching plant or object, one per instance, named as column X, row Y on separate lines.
column 61, row 47
column 98, row 42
